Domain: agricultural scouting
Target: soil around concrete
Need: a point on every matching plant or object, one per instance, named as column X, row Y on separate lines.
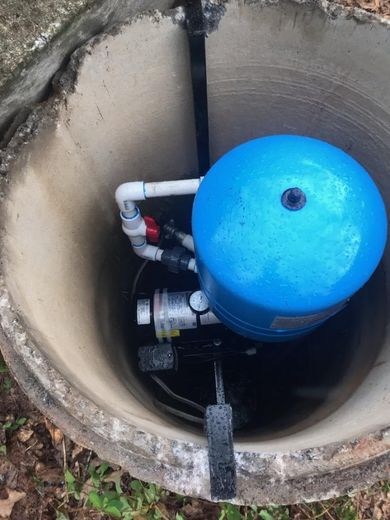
column 27, row 27
column 36, row 40
column 381, row 7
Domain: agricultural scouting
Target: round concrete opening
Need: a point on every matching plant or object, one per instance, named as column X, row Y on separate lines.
column 282, row 68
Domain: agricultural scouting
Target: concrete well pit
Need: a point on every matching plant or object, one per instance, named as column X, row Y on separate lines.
column 125, row 113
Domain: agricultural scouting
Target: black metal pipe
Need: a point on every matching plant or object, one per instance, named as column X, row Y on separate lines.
column 196, row 32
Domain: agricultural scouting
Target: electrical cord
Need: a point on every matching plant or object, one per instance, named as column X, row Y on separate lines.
column 136, row 279
column 139, row 273
column 178, row 413
column 179, row 398
column 157, row 380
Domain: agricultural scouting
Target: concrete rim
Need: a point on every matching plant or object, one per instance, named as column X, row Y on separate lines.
column 338, row 467
column 313, row 474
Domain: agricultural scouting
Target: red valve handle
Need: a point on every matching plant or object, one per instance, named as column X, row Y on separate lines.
column 152, row 230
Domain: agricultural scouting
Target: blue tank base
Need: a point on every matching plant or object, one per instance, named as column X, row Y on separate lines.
column 269, row 335
column 281, row 335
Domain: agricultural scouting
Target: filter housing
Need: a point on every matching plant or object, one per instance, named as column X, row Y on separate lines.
column 286, row 229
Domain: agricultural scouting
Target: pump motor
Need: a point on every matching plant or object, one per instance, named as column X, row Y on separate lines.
column 167, row 315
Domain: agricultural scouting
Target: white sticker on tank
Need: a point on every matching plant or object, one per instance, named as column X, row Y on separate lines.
column 143, row 312
column 297, row 322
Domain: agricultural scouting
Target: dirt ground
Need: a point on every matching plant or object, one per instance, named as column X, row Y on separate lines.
column 381, row 7
column 28, row 26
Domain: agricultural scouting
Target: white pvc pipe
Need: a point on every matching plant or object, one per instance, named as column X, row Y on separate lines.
column 168, row 188
column 128, row 193
column 192, row 265
column 188, row 243
column 133, row 225
column 148, row 252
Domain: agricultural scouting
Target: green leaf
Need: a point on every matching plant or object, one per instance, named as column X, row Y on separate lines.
column 125, row 503
column 3, row 450
column 113, row 511
column 179, row 516
column 9, row 425
column 69, row 478
column 136, row 485
column 117, row 482
column 148, row 496
column 232, row 512
column 222, row 515
column 6, row 385
column 117, row 502
column 151, row 493
column 95, row 500
column 265, row 515
column 3, row 367
column 71, row 485
column 96, row 481
column 102, row 469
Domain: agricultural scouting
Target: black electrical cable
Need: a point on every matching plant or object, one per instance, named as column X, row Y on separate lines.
column 177, row 397
column 136, row 279
column 139, row 274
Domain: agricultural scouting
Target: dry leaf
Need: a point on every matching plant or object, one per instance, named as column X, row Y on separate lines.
column 86, row 489
column 77, row 450
column 7, row 504
column 55, row 433
column 25, row 434
column 163, row 510
column 114, row 476
column 52, row 475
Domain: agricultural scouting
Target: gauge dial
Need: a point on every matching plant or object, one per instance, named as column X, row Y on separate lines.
column 198, row 302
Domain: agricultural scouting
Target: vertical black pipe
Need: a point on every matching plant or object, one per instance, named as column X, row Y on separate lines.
column 219, row 417
column 196, row 32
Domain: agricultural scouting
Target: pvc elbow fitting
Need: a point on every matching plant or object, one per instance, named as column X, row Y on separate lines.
column 128, row 193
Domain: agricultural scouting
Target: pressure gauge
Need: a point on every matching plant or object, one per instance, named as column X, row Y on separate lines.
column 198, row 302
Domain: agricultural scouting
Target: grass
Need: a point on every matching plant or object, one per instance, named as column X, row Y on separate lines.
column 105, row 490
column 12, row 426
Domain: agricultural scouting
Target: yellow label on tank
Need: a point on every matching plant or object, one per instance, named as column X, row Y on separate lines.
column 170, row 333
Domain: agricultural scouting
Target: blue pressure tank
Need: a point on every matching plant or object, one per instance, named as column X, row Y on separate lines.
column 286, row 229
